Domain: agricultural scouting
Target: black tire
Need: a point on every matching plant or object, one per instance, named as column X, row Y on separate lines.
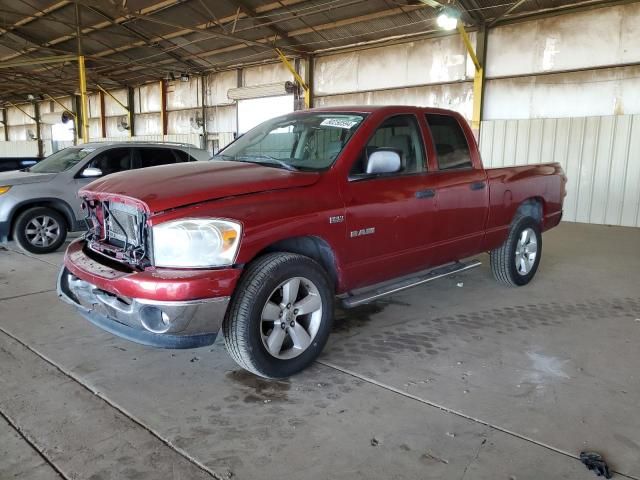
column 503, row 259
column 243, row 328
column 23, row 225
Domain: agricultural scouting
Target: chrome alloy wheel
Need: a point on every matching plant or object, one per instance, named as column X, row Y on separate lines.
column 42, row 231
column 291, row 318
column 526, row 251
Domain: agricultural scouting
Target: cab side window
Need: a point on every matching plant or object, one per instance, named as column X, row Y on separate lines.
column 112, row 161
column 451, row 144
column 402, row 134
column 153, row 157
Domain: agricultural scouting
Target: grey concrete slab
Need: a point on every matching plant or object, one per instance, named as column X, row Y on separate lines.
column 19, row 460
column 322, row 420
column 555, row 361
column 506, row 366
column 77, row 431
column 21, row 274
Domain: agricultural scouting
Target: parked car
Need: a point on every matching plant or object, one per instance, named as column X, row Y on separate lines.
column 353, row 203
column 17, row 163
column 39, row 204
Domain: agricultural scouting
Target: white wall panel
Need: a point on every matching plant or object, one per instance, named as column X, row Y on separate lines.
column 111, row 107
column 217, row 86
column 147, row 98
column 264, row 74
column 19, row 149
column 182, row 95
column 609, row 91
column 454, row 96
column 600, row 155
column 180, row 122
column 16, row 117
column 147, row 124
column 95, row 128
column 598, row 37
column 111, row 124
column 94, row 105
column 19, row 133
column 422, row 62
column 221, row 119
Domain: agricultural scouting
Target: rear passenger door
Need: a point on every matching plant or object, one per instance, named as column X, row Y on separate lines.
column 462, row 192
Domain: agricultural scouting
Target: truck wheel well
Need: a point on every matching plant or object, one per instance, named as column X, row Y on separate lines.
column 309, row 246
column 54, row 204
column 533, row 207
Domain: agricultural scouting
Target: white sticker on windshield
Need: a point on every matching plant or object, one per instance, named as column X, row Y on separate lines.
column 339, row 123
column 87, row 150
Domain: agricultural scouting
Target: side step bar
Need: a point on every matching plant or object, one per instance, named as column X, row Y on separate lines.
column 352, row 301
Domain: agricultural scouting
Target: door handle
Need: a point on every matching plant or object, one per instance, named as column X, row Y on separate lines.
column 478, row 186
column 429, row 193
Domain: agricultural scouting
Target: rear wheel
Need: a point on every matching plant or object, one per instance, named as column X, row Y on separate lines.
column 281, row 315
column 515, row 263
column 40, row 230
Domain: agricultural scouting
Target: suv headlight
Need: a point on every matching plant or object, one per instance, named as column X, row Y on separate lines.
column 196, row 243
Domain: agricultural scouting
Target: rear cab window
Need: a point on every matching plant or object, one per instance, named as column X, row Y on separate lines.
column 450, row 142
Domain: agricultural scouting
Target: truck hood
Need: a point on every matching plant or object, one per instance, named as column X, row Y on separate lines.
column 18, row 177
column 162, row 188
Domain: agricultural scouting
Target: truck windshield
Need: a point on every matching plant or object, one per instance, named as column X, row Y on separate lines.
column 61, row 161
column 310, row 141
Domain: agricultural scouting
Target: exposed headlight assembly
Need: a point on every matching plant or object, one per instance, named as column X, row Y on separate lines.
column 196, row 243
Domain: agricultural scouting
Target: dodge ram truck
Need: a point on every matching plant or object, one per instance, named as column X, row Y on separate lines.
column 335, row 204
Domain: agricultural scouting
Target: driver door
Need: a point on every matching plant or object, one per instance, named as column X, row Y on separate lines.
column 388, row 216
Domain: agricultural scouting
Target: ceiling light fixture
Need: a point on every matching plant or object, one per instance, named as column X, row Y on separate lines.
column 448, row 18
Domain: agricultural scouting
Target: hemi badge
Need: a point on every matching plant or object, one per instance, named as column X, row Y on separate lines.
column 362, row 232
column 336, row 219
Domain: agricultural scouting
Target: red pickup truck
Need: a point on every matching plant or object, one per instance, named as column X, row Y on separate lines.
column 335, row 203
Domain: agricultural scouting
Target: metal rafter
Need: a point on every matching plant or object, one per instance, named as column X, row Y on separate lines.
column 144, row 38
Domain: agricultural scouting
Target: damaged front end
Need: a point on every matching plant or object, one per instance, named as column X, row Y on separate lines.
column 118, row 231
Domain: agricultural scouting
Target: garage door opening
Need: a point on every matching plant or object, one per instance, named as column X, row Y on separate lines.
column 254, row 111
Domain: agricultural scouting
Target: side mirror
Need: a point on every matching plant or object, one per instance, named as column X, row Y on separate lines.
column 91, row 172
column 383, row 161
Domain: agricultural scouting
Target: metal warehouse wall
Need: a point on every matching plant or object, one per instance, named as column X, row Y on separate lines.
column 433, row 72
column 601, row 156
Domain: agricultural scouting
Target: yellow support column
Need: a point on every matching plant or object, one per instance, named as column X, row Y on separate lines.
column 84, row 121
column 478, row 79
column 297, row 77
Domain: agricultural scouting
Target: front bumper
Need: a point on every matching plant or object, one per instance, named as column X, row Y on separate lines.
column 185, row 324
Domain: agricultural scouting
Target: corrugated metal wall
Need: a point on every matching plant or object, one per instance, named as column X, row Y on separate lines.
column 600, row 155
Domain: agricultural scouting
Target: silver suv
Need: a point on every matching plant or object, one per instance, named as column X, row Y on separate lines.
column 39, row 205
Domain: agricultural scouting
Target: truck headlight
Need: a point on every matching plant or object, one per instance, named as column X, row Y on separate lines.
column 196, row 243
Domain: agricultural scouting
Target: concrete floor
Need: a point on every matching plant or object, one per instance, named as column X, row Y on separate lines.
column 458, row 379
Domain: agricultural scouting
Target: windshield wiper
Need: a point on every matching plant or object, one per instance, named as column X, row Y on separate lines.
column 267, row 161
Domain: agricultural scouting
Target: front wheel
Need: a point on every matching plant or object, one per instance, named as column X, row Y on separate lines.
column 515, row 262
column 40, row 230
column 281, row 315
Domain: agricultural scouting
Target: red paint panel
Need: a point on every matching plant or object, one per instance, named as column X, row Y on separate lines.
column 153, row 284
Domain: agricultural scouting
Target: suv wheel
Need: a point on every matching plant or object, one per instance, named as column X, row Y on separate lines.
column 281, row 315
column 515, row 262
column 40, row 230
